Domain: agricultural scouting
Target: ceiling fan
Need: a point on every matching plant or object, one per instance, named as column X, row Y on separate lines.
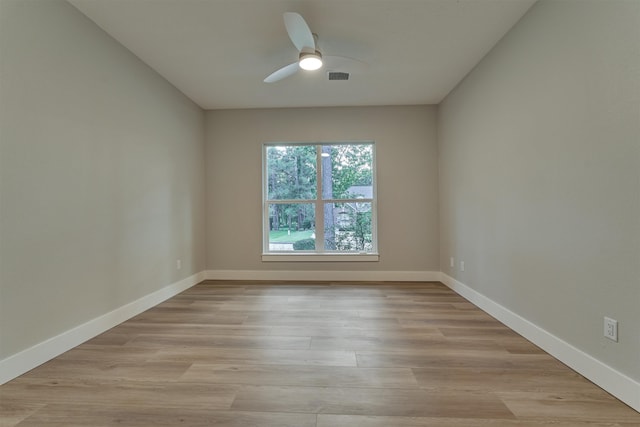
column 309, row 58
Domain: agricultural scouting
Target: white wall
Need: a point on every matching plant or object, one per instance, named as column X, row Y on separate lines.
column 101, row 175
column 406, row 170
column 540, row 175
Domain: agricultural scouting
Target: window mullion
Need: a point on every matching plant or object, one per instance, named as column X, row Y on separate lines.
column 290, row 201
column 348, row 200
column 319, row 202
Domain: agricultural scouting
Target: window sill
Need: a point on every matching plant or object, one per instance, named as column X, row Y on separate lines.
column 309, row 257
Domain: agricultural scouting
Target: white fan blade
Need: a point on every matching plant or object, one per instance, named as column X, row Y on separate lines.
column 299, row 31
column 343, row 63
column 282, row 73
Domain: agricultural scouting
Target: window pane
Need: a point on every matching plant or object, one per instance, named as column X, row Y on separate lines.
column 347, row 227
column 347, row 171
column 292, row 227
column 291, row 172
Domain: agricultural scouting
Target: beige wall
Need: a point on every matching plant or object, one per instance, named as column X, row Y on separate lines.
column 103, row 184
column 406, row 169
column 540, row 171
column 101, row 175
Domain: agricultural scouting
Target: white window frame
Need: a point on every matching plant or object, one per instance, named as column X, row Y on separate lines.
column 319, row 254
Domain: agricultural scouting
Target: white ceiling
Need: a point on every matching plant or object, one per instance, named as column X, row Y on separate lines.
column 217, row 52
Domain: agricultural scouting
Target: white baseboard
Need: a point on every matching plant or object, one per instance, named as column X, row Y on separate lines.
column 325, row 275
column 19, row 363
column 621, row 386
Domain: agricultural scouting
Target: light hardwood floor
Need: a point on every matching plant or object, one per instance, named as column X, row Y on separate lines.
column 309, row 355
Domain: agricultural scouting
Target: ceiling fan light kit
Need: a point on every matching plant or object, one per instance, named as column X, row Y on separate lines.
column 310, row 61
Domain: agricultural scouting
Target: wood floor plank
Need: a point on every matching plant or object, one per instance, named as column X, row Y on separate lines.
column 369, row 401
column 457, row 359
column 282, row 311
column 477, row 331
column 109, row 370
column 327, row 420
column 196, row 318
column 504, row 380
column 516, row 345
column 258, row 356
column 111, row 338
column 324, row 376
column 572, row 409
column 305, row 354
column 351, row 332
column 97, row 416
column 428, row 344
column 222, row 341
column 424, row 313
column 11, row 413
column 458, row 322
column 314, row 319
column 131, row 328
column 70, row 391
column 96, row 352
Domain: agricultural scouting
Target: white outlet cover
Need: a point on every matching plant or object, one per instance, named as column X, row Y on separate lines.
column 611, row 329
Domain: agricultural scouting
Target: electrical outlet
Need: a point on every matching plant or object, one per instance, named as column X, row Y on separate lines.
column 611, row 329
column 452, row 262
column 461, row 265
column 178, row 264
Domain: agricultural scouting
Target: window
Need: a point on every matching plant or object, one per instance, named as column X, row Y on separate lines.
column 319, row 201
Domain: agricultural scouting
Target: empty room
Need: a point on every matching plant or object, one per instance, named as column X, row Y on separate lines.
column 320, row 213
